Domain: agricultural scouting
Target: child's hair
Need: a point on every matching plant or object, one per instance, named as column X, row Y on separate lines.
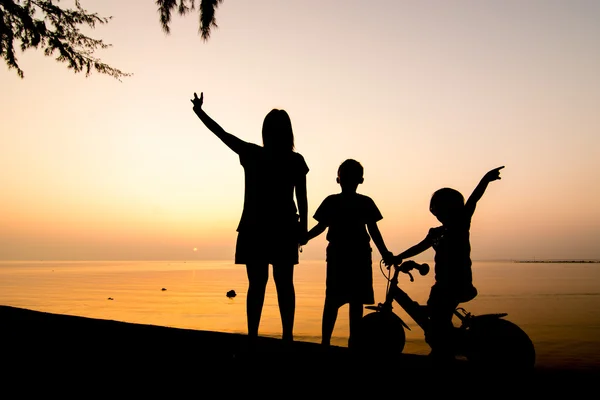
column 446, row 200
column 277, row 131
column 351, row 171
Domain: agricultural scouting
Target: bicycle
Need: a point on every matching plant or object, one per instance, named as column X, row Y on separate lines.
column 487, row 340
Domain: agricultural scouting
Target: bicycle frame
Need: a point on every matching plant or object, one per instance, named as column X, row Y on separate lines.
column 415, row 310
column 487, row 340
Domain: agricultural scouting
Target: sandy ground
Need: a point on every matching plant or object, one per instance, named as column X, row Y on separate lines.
column 83, row 357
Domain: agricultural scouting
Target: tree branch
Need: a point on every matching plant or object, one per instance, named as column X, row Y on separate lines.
column 57, row 31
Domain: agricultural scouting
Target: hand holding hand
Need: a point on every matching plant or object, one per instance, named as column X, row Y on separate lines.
column 396, row 260
column 390, row 260
column 197, row 101
column 303, row 239
column 387, row 257
column 493, row 174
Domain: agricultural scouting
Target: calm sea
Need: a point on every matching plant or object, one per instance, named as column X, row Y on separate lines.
column 557, row 304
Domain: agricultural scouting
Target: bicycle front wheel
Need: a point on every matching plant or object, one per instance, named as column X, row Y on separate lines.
column 381, row 333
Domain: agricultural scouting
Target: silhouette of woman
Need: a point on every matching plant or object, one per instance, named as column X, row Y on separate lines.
column 271, row 224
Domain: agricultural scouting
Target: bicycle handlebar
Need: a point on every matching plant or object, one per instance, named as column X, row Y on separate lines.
column 405, row 267
column 409, row 265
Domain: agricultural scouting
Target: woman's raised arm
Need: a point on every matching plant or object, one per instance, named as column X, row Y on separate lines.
column 233, row 142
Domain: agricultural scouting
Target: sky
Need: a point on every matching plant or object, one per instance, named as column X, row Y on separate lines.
column 425, row 95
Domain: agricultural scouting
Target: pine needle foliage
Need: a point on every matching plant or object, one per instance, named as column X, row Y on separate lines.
column 206, row 11
column 44, row 24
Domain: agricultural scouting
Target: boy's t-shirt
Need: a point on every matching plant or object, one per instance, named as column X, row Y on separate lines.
column 347, row 215
column 349, row 270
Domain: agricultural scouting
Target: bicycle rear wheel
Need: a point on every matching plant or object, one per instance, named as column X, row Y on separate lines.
column 381, row 333
column 494, row 343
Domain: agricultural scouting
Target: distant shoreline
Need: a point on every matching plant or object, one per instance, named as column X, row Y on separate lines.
column 558, row 261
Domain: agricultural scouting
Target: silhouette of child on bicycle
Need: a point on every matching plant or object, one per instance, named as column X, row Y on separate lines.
column 351, row 219
column 453, row 275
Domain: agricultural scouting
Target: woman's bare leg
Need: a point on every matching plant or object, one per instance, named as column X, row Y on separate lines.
column 286, row 296
column 258, row 275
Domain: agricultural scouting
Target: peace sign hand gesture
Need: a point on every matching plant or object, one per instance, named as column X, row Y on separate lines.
column 197, row 101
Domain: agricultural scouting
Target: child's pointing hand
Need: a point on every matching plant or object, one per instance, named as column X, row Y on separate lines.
column 493, row 174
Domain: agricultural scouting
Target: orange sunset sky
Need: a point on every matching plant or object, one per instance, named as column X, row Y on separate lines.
column 425, row 94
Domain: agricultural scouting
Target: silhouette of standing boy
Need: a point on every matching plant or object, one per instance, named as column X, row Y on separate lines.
column 352, row 221
column 453, row 275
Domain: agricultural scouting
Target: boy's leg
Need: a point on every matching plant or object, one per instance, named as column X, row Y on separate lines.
column 330, row 312
column 356, row 314
column 283, row 275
